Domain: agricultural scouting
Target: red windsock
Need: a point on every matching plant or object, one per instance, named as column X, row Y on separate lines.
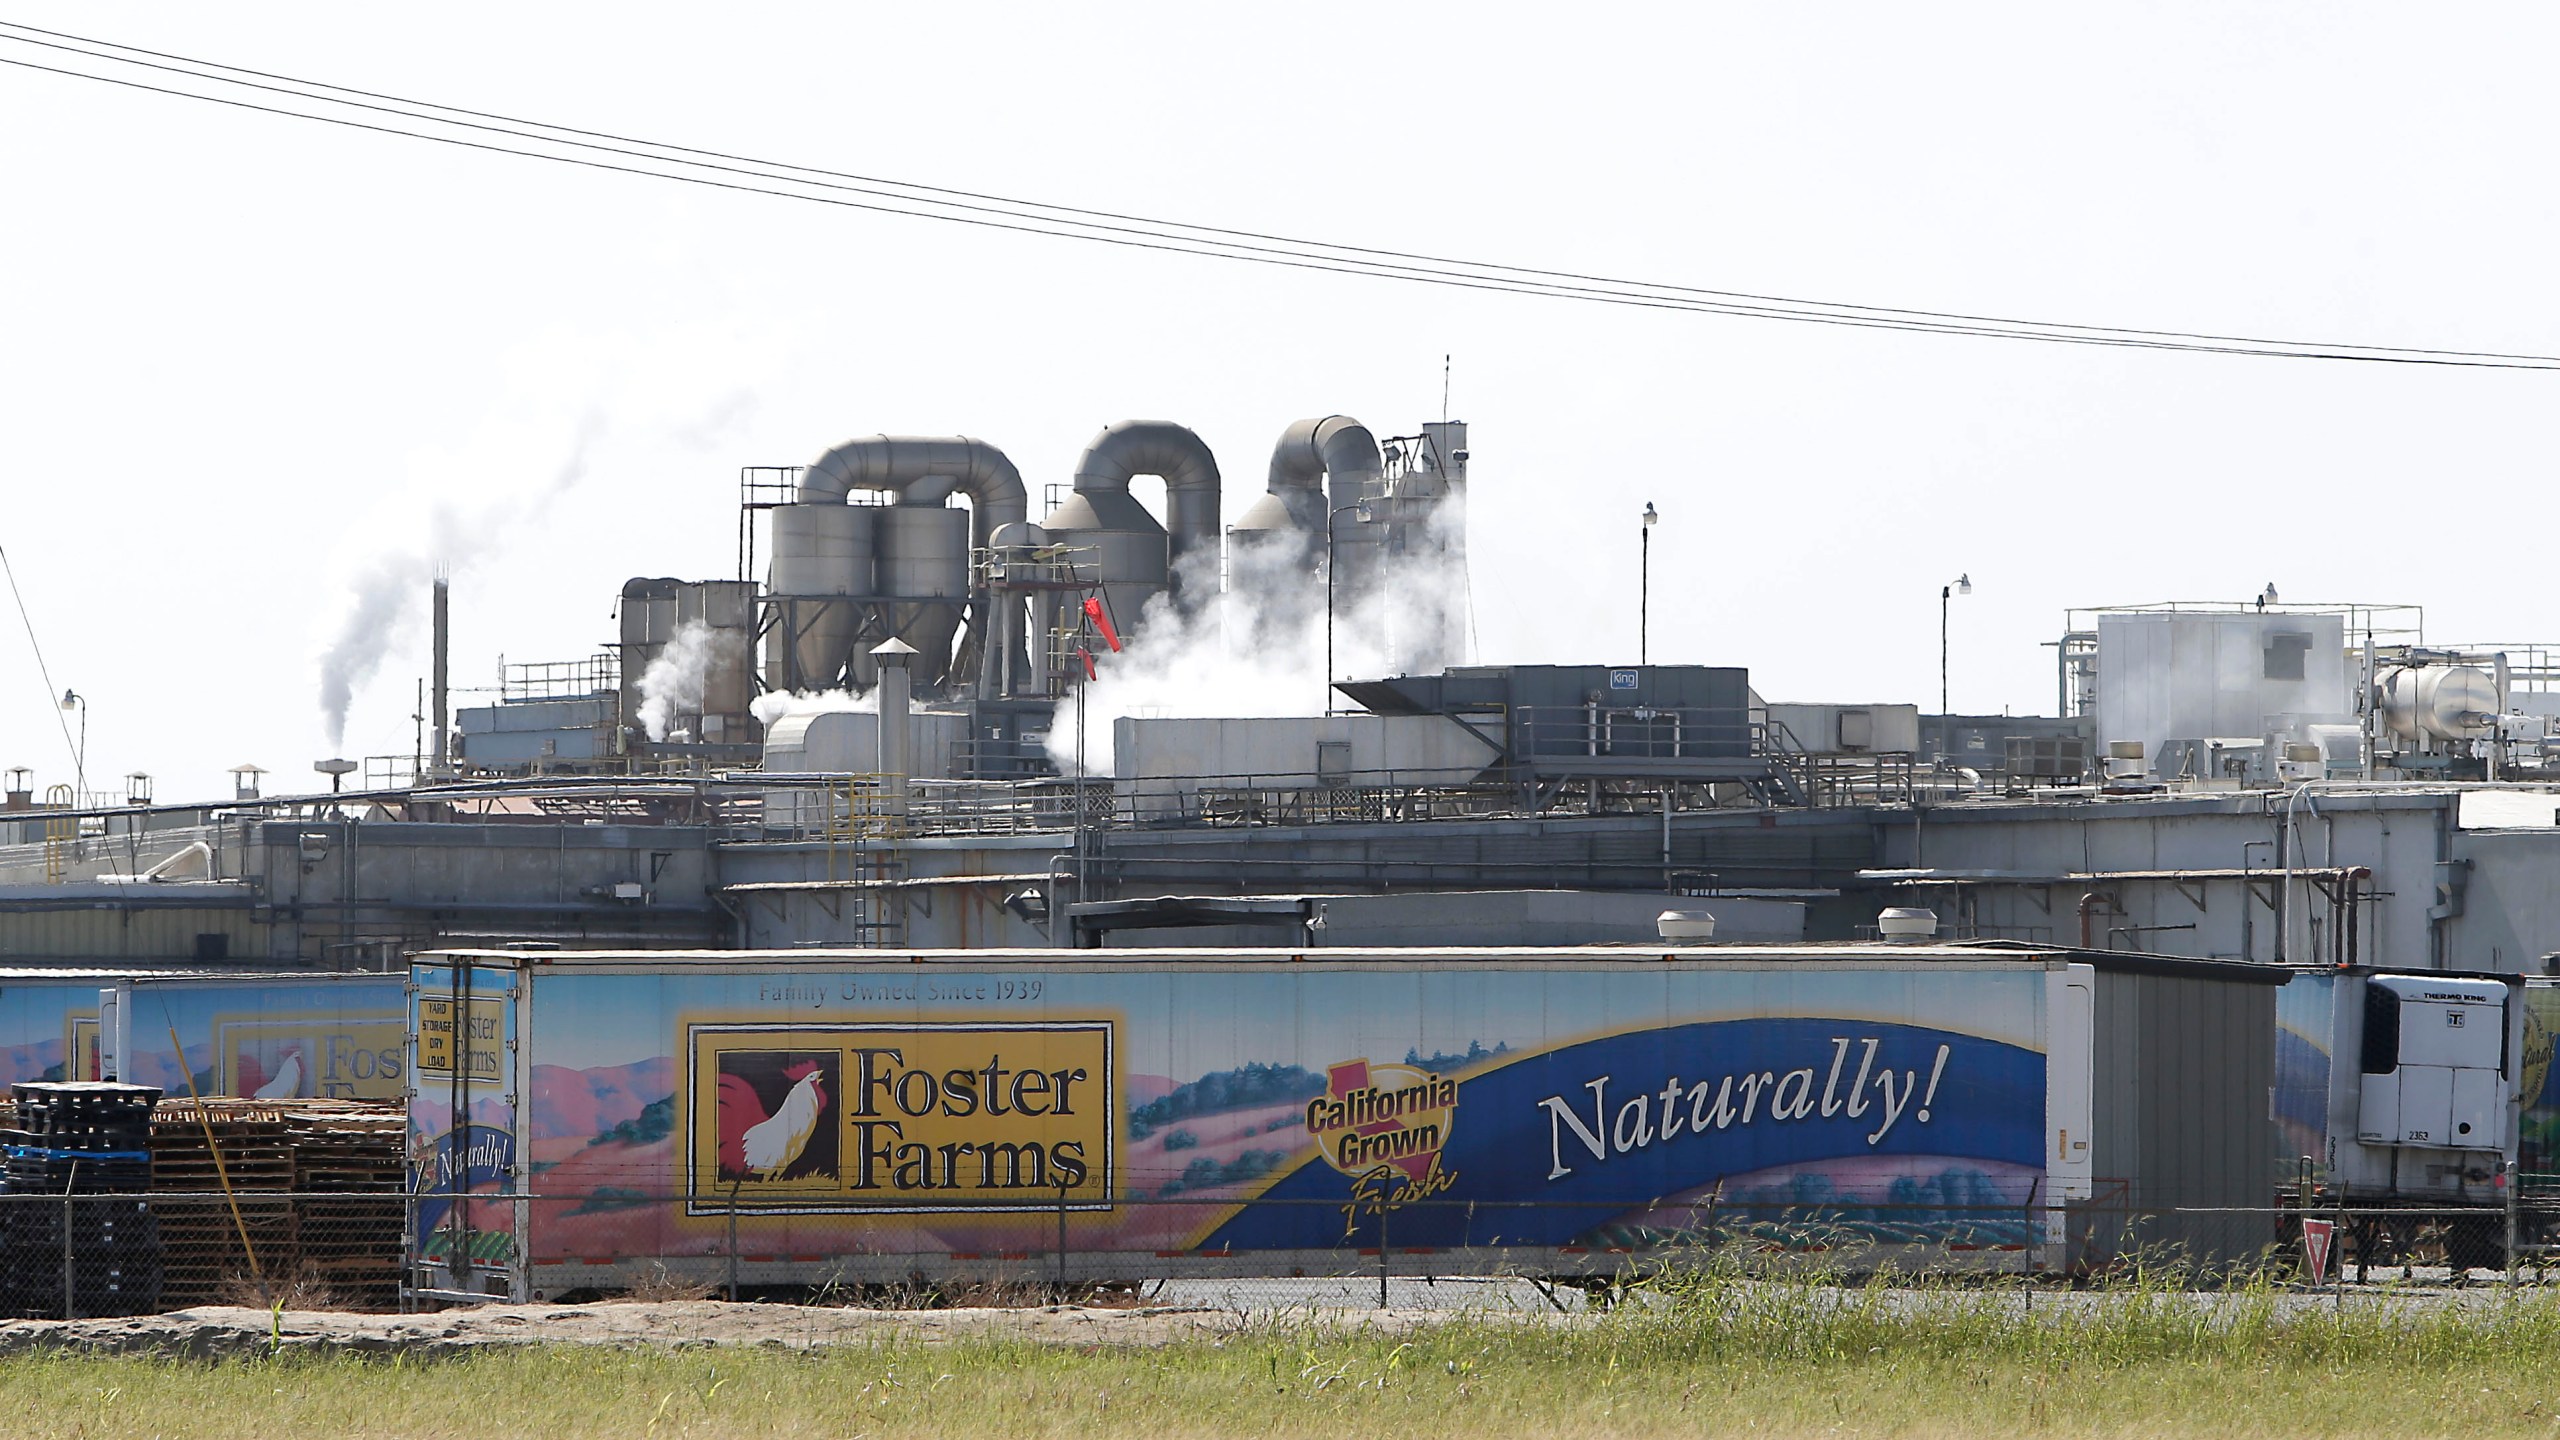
column 1102, row 622
column 1087, row 657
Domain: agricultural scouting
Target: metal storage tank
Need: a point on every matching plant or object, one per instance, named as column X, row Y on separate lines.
column 924, row 557
column 2440, row 702
column 819, row 549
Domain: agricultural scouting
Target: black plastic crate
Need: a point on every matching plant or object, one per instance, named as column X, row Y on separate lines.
column 80, row 1140
column 66, row 1107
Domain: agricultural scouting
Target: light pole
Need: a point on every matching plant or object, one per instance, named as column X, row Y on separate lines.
column 1331, row 526
column 1963, row 586
column 1644, row 583
column 72, row 700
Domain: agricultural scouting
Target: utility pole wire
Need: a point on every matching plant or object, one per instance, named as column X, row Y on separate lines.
column 1021, row 217
column 923, row 190
column 42, row 673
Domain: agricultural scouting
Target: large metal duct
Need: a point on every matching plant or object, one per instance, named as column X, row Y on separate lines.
column 1137, row 556
column 923, row 470
column 919, row 549
column 1292, row 516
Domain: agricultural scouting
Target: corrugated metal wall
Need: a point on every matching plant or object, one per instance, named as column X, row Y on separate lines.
column 2183, row 1067
column 154, row 933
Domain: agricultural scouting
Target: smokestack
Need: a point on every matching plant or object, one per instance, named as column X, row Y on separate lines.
column 893, row 656
column 437, row 765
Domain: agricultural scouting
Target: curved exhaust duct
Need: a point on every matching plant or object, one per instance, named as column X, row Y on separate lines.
column 1335, row 449
column 916, row 547
column 923, row 470
column 1292, row 517
column 1161, row 448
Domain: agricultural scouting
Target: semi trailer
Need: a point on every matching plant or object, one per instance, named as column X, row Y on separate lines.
column 582, row 1120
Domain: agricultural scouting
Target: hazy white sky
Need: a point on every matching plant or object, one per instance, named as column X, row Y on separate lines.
column 249, row 359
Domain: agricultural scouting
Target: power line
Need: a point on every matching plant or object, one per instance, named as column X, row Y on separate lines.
column 1160, row 224
column 41, row 671
column 1001, row 213
column 1923, row 321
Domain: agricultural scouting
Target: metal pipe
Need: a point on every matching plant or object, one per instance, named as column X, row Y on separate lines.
column 443, row 646
column 1333, row 450
column 922, row 470
column 896, row 761
column 2355, row 883
column 1132, row 448
column 2089, row 904
column 925, row 470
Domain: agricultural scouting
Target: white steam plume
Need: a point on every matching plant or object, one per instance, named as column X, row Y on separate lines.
column 671, row 688
column 777, row 704
column 1257, row 650
column 382, row 594
column 390, row 585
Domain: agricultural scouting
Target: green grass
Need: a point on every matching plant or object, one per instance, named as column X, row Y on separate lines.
column 1710, row 1357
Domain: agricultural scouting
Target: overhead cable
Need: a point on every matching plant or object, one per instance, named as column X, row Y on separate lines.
column 662, row 161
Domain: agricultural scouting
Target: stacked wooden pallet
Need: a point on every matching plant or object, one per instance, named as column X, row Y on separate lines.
column 350, row 1163
column 273, row 1154
column 227, row 1167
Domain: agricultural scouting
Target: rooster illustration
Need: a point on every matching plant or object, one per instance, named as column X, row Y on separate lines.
column 287, row 1083
column 754, row 1145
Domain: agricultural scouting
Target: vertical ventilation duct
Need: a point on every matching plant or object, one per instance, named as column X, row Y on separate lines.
column 443, row 759
column 897, row 757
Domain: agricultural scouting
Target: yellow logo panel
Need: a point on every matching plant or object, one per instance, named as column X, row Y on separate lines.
column 913, row 1117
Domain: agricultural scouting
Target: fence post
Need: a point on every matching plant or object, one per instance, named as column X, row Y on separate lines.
column 2338, row 1261
column 733, row 1245
column 410, row 1252
column 1062, row 1239
column 70, row 1292
column 1382, row 1255
column 2510, row 1177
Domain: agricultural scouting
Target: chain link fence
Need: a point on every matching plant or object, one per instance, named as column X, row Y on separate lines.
column 1271, row 1253
column 85, row 1255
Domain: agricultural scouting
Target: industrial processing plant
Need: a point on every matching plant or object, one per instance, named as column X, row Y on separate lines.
column 917, row 717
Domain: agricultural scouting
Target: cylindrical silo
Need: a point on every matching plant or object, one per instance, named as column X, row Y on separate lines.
column 818, row 550
column 924, row 565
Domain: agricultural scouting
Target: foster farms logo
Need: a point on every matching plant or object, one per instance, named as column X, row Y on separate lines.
column 1384, row 1126
column 820, row 1119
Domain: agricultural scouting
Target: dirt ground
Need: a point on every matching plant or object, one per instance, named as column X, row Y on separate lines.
column 228, row 1330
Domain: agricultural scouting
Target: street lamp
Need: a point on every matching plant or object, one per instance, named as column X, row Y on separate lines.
column 1644, row 583
column 1331, row 528
column 1962, row 586
column 71, row 700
